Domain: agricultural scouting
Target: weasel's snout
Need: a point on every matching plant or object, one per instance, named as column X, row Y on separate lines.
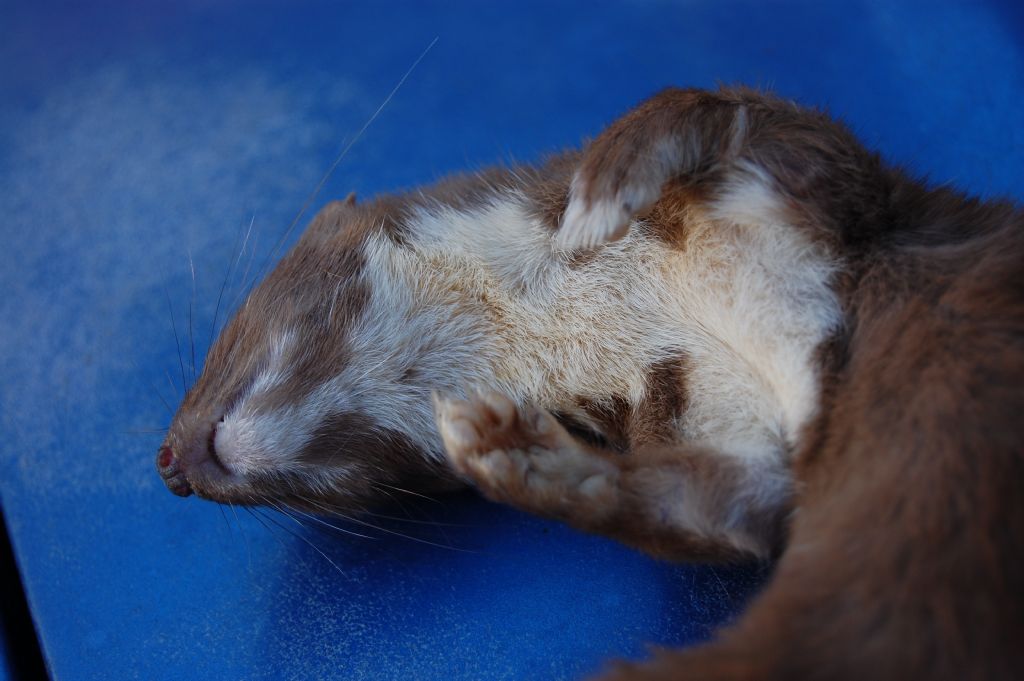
column 170, row 470
column 189, row 464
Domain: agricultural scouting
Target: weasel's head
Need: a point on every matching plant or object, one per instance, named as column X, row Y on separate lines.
column 317, row 394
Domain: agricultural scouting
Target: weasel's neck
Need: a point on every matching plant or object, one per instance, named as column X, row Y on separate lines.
column 486, row 285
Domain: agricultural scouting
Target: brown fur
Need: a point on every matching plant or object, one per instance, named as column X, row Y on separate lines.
column 524, row 457
column 902, row 557
column 548, row 185
column 326, row 259
column 905, row 556
column 623, row 427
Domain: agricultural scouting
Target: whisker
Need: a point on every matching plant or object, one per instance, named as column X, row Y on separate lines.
column 177, row 343
column 344, row 152
column 245, row 275
column 413, row 521
column 400, row 489
column 324, row 522
column 394, row 498
column 170, row 382
column 406, row 536
column 223, row 284
column 311, row 544
column 337, row 512
column 191, row 304
column 220, row 507
column 260, row 520
column 138, row 371
column 405, row 510
column 241, row 531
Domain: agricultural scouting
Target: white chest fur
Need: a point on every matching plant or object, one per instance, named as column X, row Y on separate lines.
column 747, row 300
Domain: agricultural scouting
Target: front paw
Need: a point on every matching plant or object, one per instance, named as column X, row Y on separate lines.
column 521, row 455
column 591, row 221
column 600, row 211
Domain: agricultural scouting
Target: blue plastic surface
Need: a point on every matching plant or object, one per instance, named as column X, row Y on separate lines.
column 136, row 135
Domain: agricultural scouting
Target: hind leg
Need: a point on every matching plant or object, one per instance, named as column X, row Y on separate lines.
column 745, row 153
column 674, row 502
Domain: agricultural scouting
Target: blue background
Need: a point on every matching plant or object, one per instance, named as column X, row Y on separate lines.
column 134, row 136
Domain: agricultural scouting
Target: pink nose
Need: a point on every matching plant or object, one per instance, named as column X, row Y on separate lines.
column 170, row 471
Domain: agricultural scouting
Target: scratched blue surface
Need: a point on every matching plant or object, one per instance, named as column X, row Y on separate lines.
column 135, row 134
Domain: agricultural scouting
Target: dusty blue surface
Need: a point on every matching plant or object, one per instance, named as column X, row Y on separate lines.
column 135, row 134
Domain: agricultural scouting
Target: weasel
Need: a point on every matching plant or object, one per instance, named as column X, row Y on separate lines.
column 724, row 329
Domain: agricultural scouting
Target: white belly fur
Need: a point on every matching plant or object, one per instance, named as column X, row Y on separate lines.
column 747, row 300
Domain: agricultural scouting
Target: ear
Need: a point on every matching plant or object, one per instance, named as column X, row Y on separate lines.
column 334, row 215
